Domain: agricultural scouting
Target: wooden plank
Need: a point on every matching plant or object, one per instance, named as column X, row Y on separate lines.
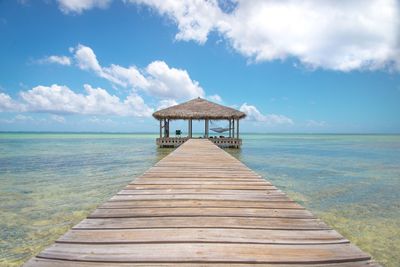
column 210, row 252
column 220, row 212
column 200, row 186
column 203, row 222
column 195, row 235
column 154, row 181
column 173, row 191
column 199, row 180
column 201, row 203
column 201, row 197
column 38, row 262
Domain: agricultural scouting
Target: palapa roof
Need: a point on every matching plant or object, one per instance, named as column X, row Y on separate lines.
column 199, row 109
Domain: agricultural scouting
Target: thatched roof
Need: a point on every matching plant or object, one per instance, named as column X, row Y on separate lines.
column 199, row 109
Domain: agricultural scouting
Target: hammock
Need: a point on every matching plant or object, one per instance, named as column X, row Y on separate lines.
column 219, row 129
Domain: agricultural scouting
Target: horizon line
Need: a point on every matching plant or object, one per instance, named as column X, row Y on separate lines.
column 243, row 133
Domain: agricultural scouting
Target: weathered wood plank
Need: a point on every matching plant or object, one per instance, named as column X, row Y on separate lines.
column 155, row 181
column 200, row 186
column 195, row 235
column 38, row 262
column 199, row 180
column 210, row 252
column 173, row 191
column 201, row 203
column 220, row 212
column 203, row 222
column 248, row 197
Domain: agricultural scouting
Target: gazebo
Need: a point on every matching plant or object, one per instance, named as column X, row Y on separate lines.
column 200, row 109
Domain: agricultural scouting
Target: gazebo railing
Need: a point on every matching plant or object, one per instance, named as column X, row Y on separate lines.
column 226, row 142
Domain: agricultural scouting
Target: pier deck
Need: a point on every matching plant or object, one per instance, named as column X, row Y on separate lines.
column 200, row 206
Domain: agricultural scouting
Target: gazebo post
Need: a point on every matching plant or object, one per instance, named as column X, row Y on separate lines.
column 160, row 128
column 206, row 128
column 167, row 127
column 237, row 129
column 190, row 128
column 233, row 128
column 166, row 134
column 230, row 128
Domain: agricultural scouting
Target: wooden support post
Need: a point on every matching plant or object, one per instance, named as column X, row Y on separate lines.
column 230, row 128
column 206, row 128
column 237, row 129
column 168, row 128
column 233, row 128
column 160, row 128
column 165, row 127
column 190, row 128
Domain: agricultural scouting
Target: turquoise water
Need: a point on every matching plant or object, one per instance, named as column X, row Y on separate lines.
column 49, row 182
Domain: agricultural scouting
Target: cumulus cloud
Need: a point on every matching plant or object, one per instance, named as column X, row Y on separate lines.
column 195, row 19
column 253, row 114
column 62, row 60
column 166, row 103
column 78, row 6
column 336, row 35
column 8, row 104
column 58, row 99
column 157, row 79
column 169, row 82
column 86, row 59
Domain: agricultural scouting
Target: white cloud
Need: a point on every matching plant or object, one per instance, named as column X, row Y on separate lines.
column 313, row 123
column 78, row 6
column 165, row 103
column 215, row 98
column 57, row 118
column 157, row 79
column 86, row 59
column 8, row 104
column 336, row 35
column 195, row 19
column 97, row 101
column 62, row 60
column 166, row 82
column 130, row 76
column 253, row 114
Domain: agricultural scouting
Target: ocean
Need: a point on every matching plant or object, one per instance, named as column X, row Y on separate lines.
column 51, row 181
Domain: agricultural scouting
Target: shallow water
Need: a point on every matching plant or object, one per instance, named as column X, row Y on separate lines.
column 49, row 182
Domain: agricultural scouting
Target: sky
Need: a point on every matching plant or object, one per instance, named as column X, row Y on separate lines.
column 307, row 66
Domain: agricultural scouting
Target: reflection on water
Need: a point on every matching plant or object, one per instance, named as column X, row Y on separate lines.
column 49, row 182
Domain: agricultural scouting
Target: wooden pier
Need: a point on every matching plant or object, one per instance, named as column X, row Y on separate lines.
column 200, row 206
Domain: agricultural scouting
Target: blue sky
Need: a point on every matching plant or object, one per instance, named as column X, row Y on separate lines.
column 103, row 65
